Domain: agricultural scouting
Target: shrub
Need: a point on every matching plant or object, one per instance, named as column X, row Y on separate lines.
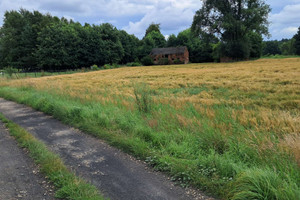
column 107, row 66
column 163, row 61
column 94, row 67
column 115, row 66
column 147, row 61
column 177, row 61
column 133, row 64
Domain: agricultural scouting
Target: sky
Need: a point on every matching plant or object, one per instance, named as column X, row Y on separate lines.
column 134, row 16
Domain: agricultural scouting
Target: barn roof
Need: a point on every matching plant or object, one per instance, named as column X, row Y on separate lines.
column 170, row 50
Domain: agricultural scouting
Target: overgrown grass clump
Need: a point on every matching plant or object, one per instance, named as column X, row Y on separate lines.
column 67, row 184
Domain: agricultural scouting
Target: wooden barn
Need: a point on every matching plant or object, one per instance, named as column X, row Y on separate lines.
column 174, row 55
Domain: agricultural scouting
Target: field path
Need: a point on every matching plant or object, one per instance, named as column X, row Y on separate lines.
column 19, row 177
column 115, row 174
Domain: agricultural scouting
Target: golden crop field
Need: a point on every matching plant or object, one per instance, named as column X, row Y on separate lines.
column 270, row 85
column 197, row 107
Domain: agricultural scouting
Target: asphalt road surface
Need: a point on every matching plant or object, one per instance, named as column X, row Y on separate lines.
column 19, row 177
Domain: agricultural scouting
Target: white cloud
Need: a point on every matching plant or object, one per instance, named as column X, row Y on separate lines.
column 135, row 15
column 285, row 23
column 172, row 15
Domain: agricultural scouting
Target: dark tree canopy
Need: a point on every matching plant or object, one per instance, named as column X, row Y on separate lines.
column 34, row 41
column 158, row 38
column 232, row 21
column 152, row 27
column 18, row 37
column 297, row 42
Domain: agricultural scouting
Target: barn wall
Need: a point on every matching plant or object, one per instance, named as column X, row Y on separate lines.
column 184, row 58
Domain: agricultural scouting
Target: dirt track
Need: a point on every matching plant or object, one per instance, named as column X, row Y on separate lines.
column 19, row 177
column 116, row 174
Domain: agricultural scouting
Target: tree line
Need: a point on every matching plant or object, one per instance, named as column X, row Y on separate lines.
column 35, row 41
column 282, row 47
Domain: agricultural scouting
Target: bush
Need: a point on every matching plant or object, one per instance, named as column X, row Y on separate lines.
column 133, row 64
column 116, row 66
column 163, row 61
column 177, row 61
column 147, row 61
column 113, row 66
column 107, row 66
column 94, row 67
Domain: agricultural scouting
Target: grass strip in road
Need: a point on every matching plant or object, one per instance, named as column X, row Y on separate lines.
column 68, row 186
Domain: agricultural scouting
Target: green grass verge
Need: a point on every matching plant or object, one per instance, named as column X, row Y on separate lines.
column 203, row 157
column 67, row 184
column 280, row 56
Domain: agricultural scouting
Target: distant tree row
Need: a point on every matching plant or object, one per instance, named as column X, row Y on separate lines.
column 283, row 47
column 32, row 41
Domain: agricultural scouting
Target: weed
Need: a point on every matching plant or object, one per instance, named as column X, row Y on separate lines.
column 143, row 97
column 10, row 71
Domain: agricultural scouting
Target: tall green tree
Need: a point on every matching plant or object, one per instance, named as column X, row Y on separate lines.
column 288, row 47
column 200, row 48
column 172, row 41
column 152, row 39
column 271, row 47
column 297, row 42
column 58, row 47
column 18, row 37
column 114, row 51
column 232, row 21
column 152, row 27
column 158, row 38
column 145, row 47
column 130, row 45
column 255, row 44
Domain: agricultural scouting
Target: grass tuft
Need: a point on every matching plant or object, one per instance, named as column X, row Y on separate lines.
column 263, row 184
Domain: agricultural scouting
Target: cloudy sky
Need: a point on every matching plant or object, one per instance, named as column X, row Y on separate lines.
column 134, row 16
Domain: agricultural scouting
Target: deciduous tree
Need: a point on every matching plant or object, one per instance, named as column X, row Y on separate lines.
column 297, row 42
column 232, row 21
